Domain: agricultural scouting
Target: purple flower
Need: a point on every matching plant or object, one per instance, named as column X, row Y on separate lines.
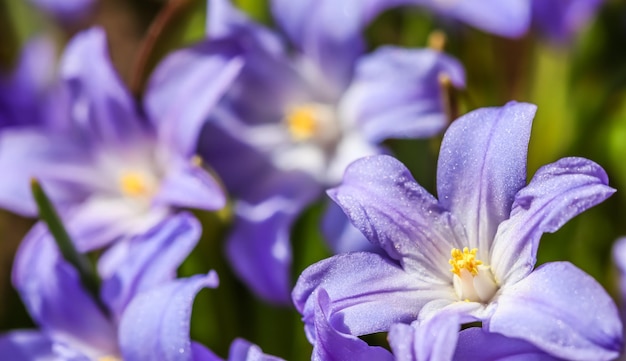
column 294, row 120
column 75, row 326
column 27, row 92
column 111, row 170
column 559, row 20
column 470, row 253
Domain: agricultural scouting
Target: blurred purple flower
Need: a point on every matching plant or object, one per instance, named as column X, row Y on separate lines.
column 66, row 11
column 111, row 170
column 509, row 18
column 294, row 120
column 26, row 93
column 559, row 20
column 469, row 255
column 75, row 326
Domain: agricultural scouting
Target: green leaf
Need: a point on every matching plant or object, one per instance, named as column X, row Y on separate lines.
column 49, row 215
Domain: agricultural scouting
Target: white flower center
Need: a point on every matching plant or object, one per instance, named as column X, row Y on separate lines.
column 313, row 122
column 472, row 280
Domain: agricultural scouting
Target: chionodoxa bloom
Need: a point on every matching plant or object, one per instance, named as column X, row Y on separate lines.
column 470, row 254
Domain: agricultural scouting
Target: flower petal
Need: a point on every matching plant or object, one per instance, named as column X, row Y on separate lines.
column 368, row 293
column 557, row 192
column 27, row 153
column 147, row 260
column 189, row 185
column 619, row 259
column 242, row 350
column 55, row 298
column 476, row 344
column 155, row 325
column 482, row 165
column 186, row 86
column 101, row 104
column 329, row 35
column 561, row 310
column 434, row 334
column 26, row 346
column 384, row 202
column 341, row 234
column 259, row 247
column 506, row 18
column 332, row 345
column 396, row 93
column 100, row 220
column 559, row 20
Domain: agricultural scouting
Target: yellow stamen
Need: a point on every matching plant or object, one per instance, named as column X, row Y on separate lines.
column 134, row 184
column 464, row 260
column 302, row 122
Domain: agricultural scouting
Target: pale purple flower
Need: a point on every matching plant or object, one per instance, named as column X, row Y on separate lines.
column 73, row 325
column 471, row 253
column 112, row 170
column 296, row 117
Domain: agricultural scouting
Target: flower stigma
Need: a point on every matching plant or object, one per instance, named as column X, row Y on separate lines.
column 109, row 358
column 472, row 280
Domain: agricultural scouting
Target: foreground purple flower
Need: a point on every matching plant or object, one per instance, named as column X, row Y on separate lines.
column 294, row 120
column 112, row 171
column 470, row 254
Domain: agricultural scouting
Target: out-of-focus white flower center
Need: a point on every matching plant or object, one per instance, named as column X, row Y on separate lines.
column 312, row 122
column 473, row 281
column 137, row 185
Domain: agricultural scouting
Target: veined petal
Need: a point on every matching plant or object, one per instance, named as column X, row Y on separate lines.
column 368, row 293
column 101, row 105
column 561, row 310
column 155, row 325
column 482, row 165
column 557, row 193
column 259, row 247
column 186, row 86
column 396, row 93
column 242, row 350
column 328, row 33
column 476, row 344
column 26, row 345
column 332, row 345
column 189, row 185
column 383, row 200
column 506, row 18
column 55, row 298
column 147, row 261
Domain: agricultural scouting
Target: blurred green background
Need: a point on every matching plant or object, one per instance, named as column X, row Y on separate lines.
column 580, row 89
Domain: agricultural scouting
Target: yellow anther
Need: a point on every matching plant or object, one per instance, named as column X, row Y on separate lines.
column 302, row 122
column 464, row 260
column 134, row 184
